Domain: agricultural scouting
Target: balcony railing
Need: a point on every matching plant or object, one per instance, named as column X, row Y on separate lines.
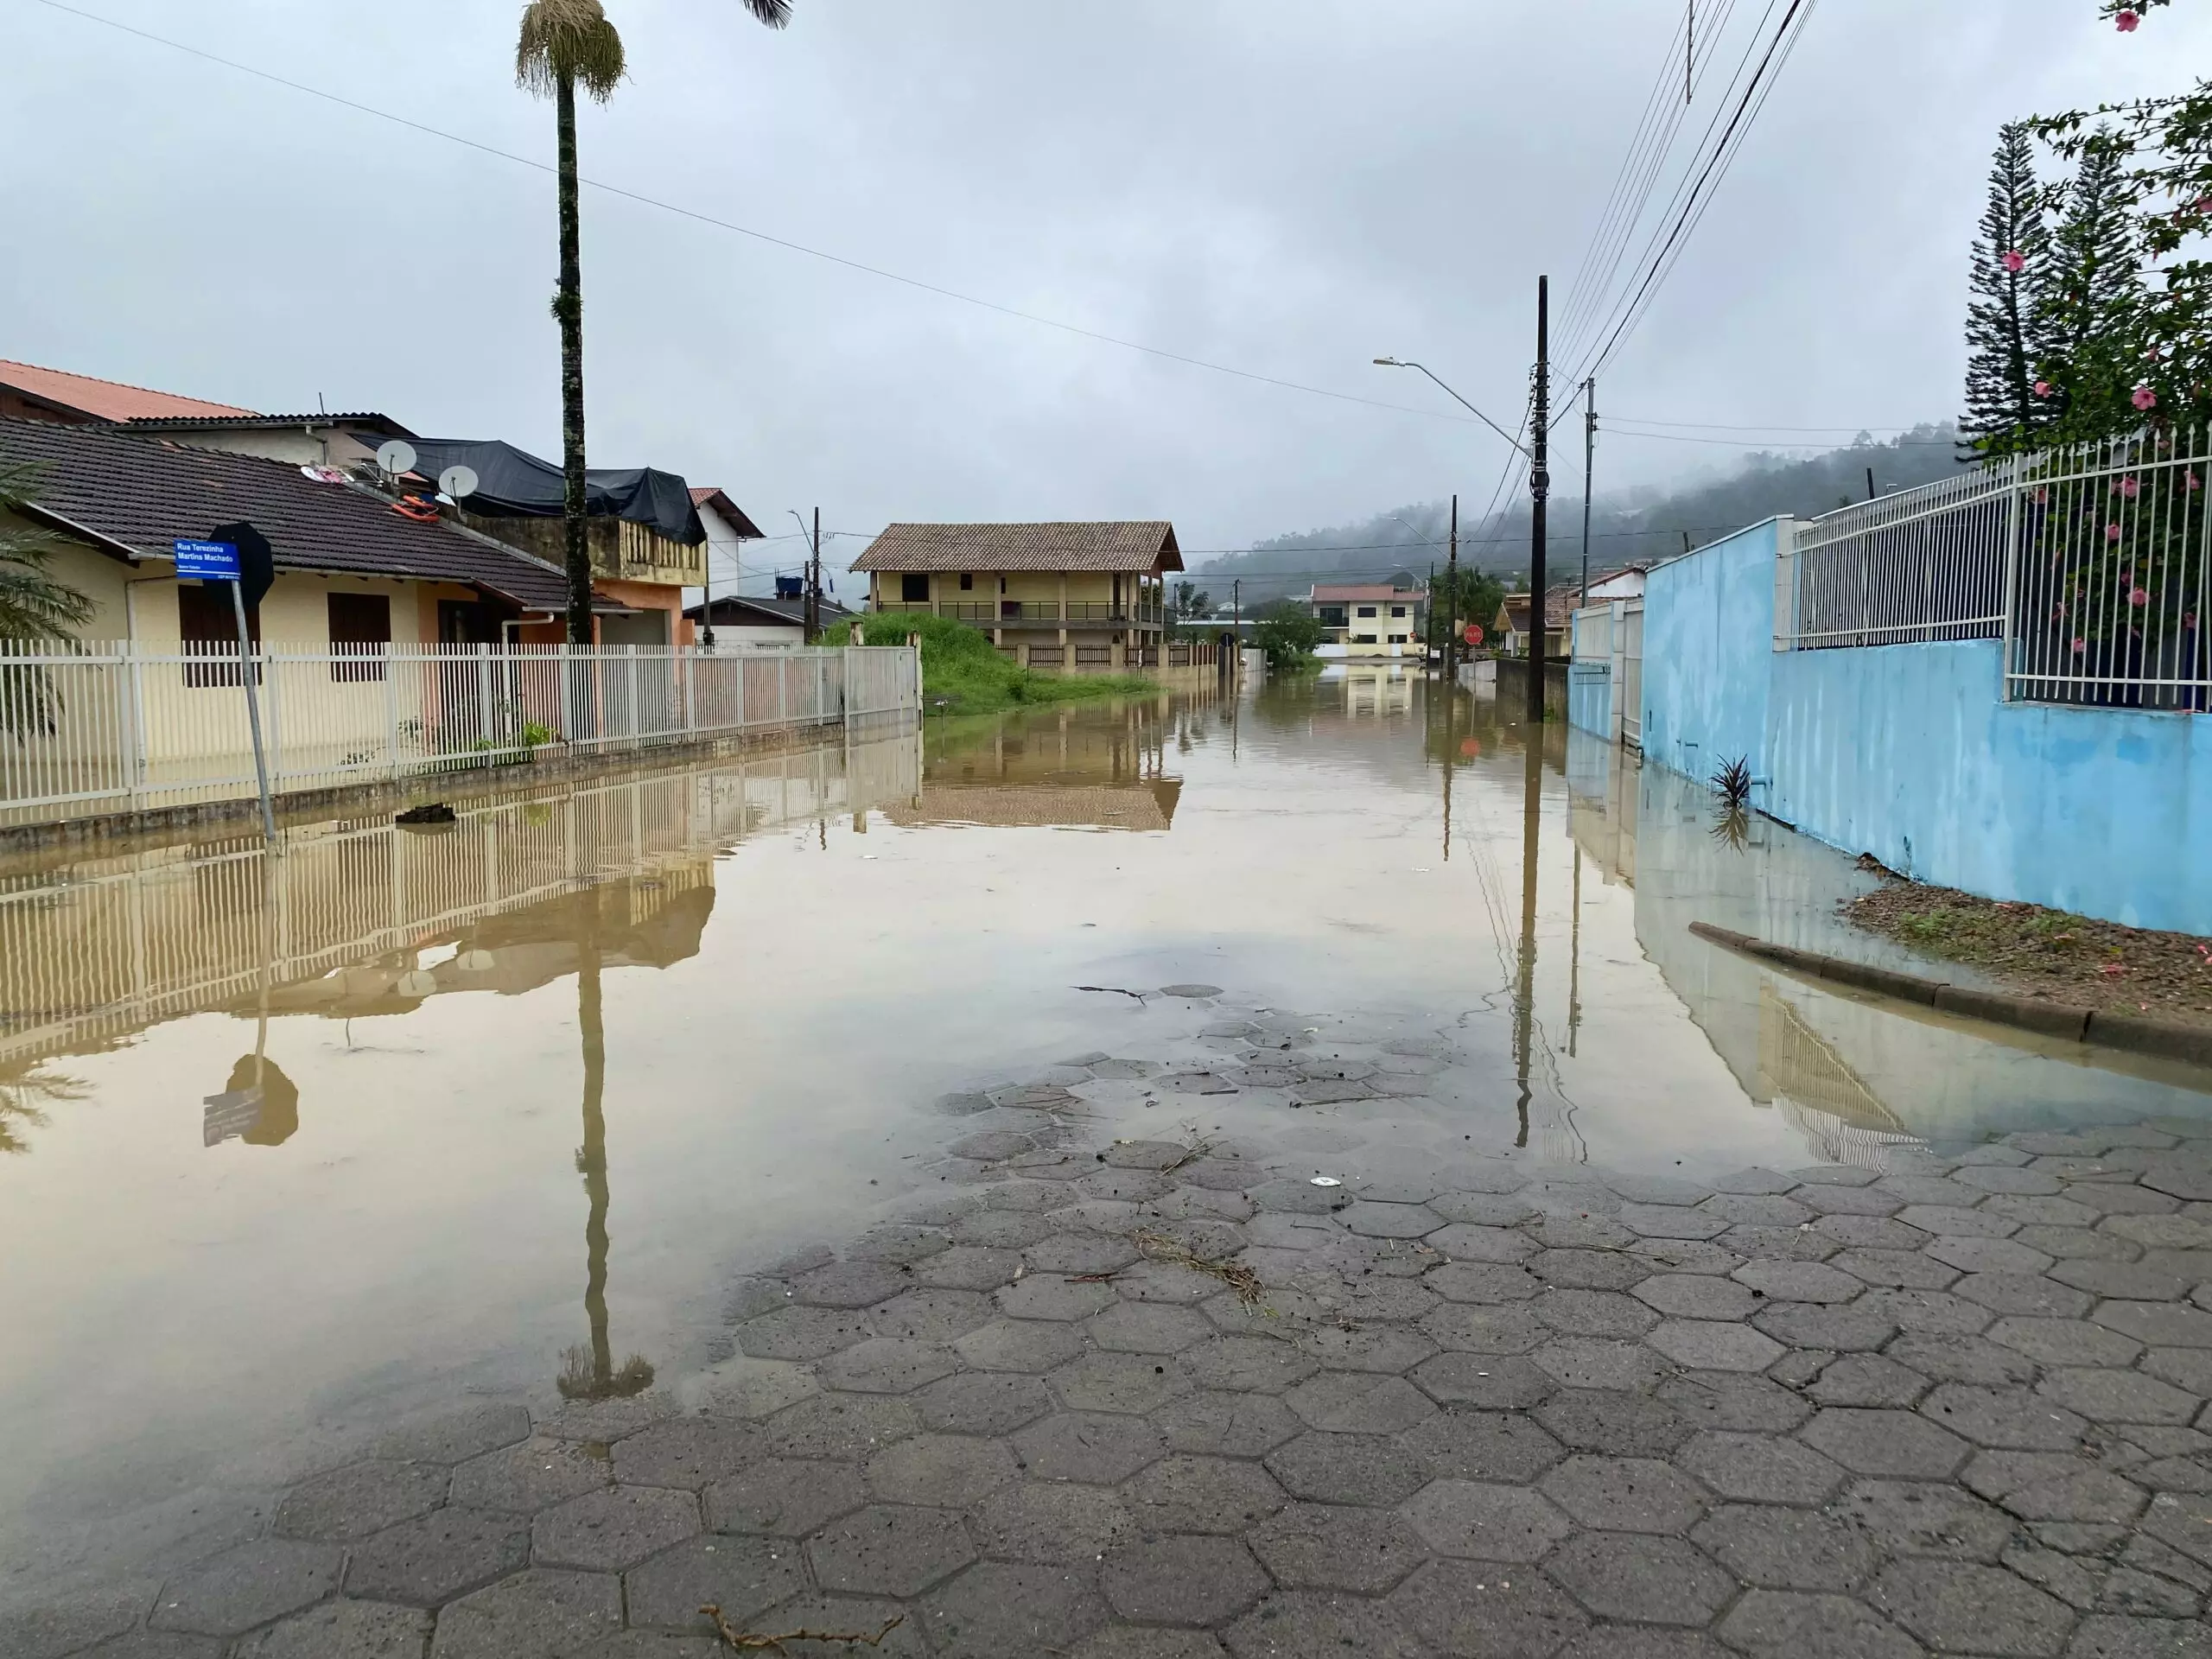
column 1031, row 613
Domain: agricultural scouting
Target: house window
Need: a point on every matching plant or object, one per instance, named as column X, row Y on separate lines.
column 1363, row 639
column 1367, row 610
column 358, row 624
column 209, row 628
column 1397, row 639
column 1332, row 616
column 967, row 579
column 914, row 590
column 1397, row 610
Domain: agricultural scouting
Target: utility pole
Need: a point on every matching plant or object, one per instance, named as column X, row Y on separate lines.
column 1237, row 615
column 1428, row 628
column 1870, row 483
column 1540, row 489
column 1589, row 454
column 814, row 584
column 1451, row 602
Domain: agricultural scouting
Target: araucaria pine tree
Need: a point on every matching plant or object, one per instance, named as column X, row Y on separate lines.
column 2088, row 331
column 2011, row 259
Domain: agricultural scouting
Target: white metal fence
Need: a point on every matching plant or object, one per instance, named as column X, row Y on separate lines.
column 105, row 728
column 2090, row 562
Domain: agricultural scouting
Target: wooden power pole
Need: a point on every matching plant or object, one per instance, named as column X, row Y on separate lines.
column 1540, row 489
column 1451, row 602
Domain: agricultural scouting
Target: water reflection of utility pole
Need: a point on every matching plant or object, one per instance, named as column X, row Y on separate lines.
column 1450, row 721
column 1574, row 944
column 590, row 1373
column 1524, row 990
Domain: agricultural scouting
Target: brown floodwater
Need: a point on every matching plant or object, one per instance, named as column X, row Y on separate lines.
column 292, row 1147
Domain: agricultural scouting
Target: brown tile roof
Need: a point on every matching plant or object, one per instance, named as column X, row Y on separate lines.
column 1385, row 595
column 142, row 493
column 1145, row 545
column 712, row 497
column 106, row 400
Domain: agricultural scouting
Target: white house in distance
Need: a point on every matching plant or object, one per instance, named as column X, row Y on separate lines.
column 1371, row 620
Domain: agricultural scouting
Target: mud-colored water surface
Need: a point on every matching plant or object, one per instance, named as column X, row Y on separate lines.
column 292, row 1148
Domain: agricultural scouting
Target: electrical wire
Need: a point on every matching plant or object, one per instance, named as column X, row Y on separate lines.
column 784, row 243
column 1756, row 92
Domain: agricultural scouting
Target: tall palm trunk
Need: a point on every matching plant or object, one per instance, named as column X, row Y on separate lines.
column 569, row 309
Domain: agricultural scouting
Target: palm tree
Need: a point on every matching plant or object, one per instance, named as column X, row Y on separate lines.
column 33, row 608
column 566, row 44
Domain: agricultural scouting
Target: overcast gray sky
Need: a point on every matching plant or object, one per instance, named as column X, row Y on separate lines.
column 1288, row 187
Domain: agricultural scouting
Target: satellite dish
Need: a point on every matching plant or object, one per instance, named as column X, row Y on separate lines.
column 457, row 481
column 397, row 457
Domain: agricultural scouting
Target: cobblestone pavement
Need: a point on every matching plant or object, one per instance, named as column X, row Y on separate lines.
column 1504, row 1411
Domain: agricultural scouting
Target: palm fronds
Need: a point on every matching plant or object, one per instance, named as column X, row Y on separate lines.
column 33, row 605
column 774, row 13
column 568, row 43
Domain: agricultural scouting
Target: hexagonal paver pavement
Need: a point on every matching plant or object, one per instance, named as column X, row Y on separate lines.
column 1486, row 1523
column 250, row 1585
column 360, row 1498
column 609, row 1530
column 428, row 1561
column 1648, row 1580
column 1478, row 1411
column 1626, row 1494
column 1183, row 1580
column 886, row 1550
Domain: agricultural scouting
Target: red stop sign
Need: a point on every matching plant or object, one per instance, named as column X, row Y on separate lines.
column 1474, row 633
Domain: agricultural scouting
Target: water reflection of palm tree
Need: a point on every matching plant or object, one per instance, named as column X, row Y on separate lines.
column 22, row 1091
column 590, row 1373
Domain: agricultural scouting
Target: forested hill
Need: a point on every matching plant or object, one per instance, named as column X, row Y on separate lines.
column 1624, row 526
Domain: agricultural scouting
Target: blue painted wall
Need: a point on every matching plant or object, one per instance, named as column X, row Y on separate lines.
column 1909, row 752
column 1708, row 634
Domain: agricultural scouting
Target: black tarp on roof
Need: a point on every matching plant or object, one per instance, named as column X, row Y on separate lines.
column 512, row 483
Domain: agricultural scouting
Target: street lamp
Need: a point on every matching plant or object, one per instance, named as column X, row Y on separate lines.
column 1395, row 363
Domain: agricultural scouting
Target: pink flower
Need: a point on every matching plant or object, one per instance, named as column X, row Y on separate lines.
column 2080, row 646
column 2111, row 532
column 2043, row 497
column 2124, row 20
column 2137, row 597
column 2203, row 204
column 2144, row 397
column 2190, row 482
column 2129, row 487
column 2014, row 259
column 2188, row 619
column 2042, row 388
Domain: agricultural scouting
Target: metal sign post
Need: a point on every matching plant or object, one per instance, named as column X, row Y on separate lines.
column 219, row 562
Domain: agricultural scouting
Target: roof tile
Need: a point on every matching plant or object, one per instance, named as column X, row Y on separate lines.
column 144, row 492
column 1141, row 544
column 106, row 400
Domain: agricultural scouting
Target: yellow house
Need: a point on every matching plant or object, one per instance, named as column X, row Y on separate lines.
column 1067, row 596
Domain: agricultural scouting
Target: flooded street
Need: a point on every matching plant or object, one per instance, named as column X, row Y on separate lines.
column 292, row 1150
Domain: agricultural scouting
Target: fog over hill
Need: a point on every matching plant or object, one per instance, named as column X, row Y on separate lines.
column 1625, row 526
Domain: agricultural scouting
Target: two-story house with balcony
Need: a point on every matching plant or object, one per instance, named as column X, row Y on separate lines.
column 1378, row 620
column 1064, row 596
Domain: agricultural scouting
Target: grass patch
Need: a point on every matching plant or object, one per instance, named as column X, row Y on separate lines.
column 961, row 668
column 2047, row 953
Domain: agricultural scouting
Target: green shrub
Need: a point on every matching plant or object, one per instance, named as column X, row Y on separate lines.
column 962, row 669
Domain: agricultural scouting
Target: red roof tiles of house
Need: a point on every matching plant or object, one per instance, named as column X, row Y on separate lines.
column 103, row 400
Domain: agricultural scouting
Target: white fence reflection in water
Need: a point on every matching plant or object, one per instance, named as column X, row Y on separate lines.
column 104, row 946
column 100, row 728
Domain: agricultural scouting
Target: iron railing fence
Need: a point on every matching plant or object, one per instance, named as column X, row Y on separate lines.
column 104, row 728
column 2089, row 561
column 1920, row 565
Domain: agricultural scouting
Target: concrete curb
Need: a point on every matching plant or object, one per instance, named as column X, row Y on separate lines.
column 2161, row 1039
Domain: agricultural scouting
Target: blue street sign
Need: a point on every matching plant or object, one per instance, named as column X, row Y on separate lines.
column 209, row 561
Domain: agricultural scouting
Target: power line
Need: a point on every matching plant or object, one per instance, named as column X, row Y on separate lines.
column 741, row 230
column 1768, row 426
column 1762, row 83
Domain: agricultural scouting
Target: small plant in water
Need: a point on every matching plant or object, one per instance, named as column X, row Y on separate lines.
column 1732, row 783
column 586, row 1376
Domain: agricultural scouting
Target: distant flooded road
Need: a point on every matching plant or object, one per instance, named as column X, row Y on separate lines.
column 291, row 1147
